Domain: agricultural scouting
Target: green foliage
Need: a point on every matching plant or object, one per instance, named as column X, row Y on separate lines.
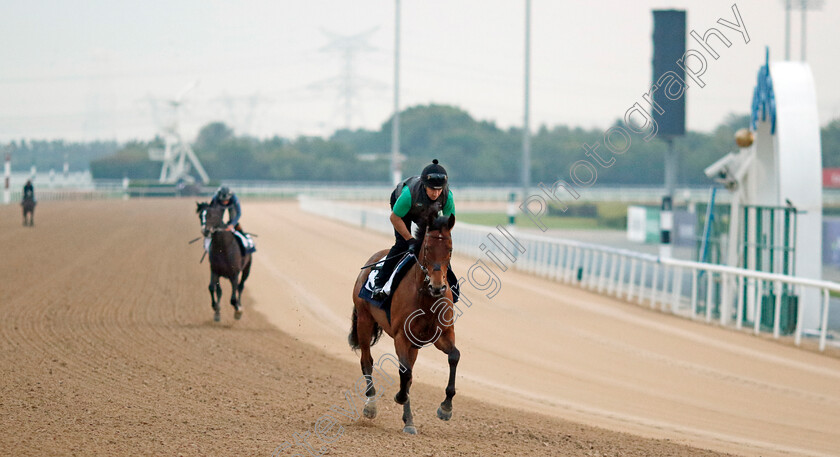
column 830, row 136
column 131, row 161
column 46, row 155
column 473, row 152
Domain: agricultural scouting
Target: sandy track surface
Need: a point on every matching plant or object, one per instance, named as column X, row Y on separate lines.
column 546, row 347
column 107, row 347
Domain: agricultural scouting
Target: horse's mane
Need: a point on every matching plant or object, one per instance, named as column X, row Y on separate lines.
column 201, row 206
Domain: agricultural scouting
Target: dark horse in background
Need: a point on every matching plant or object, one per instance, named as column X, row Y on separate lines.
column 28, row 205
column 226, row 258
column 421, row 313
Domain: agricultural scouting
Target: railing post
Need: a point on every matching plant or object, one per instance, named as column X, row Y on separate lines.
column 757, row 313
column 632, row 279
column 593, row 278
column 654, row 285
column 620, row 284
column 739, row 313
column 602, row 272
column 559, row 258
column 709, row 293
column 824, row 323
column 798, row 337
column 777, row 287
column 642, row 282
column 724, row 299
column 677, row 289
column 694, row 274
column 572, row 267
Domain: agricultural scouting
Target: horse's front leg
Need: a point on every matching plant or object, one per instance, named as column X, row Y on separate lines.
column 446, row 343
column 234, row 297
column 215, row 290
column 407, row 354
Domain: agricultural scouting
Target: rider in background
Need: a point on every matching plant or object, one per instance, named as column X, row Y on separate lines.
column 409, row 201
column 28, row 191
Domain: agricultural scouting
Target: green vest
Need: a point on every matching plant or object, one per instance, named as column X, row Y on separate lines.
column 420, row 202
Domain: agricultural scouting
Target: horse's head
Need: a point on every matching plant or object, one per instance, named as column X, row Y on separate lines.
column 435, row 252
column 211, row 217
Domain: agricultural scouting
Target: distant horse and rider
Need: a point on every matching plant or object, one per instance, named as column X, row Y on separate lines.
column 229, row 251
column 421, row 308
column 28, row 204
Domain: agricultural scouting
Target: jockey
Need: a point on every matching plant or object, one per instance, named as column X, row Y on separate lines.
column 28, row 191
column 409, row 201
column 228, row 200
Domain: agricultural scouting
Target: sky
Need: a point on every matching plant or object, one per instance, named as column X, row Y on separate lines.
column 100, row 69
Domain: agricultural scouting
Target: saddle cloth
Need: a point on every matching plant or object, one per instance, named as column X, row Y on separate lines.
column 366, row 292
column 246, row 243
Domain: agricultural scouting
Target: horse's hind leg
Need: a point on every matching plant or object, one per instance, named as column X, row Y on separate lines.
column 407, row 354
column 446, row 343
column 215, row 295
column 365, row 325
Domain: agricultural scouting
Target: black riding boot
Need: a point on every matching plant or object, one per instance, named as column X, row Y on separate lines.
column 394, row 256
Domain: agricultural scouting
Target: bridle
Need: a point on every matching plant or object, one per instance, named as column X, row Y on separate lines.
column 211, row 230
column 427, row 280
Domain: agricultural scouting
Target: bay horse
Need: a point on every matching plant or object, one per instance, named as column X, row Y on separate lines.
column 226, row 258
column 421, row 313
column 28, row 205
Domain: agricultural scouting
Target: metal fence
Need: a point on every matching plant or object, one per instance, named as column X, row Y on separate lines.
column 733, row 297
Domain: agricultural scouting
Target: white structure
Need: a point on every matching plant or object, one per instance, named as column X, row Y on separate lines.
column 177, row 155
column 781, row 169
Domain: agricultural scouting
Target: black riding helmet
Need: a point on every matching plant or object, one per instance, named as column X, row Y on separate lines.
column 223, row 193
column 434, row 175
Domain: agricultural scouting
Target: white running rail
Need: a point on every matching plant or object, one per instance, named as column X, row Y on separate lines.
column 733, row 297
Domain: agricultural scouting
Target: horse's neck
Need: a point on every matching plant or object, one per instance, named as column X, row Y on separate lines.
column 222, row 239
column 412, row 283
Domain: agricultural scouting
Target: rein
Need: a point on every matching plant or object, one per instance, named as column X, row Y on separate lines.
column 427, row 280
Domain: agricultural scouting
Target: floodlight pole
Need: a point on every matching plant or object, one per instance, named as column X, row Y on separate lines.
column 787, row 29
column 804, row 28
column 526, row 124
column 396, row 173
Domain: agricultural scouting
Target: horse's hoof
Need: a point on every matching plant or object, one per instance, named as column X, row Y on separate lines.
column 370, row 409
column 400, row 401
column 217, row 316
column 238, row 313
column 444, row 415
column 410, row 429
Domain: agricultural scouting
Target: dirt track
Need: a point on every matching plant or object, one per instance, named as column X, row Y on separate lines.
column 107, row 347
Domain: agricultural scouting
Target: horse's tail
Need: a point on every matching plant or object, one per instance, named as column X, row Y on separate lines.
column 353, row 337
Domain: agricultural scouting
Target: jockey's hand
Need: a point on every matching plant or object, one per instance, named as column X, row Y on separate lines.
column 413, row 245
column 229, row 228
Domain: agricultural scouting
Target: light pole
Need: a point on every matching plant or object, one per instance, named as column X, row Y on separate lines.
column 396, row 173
column 526, row 124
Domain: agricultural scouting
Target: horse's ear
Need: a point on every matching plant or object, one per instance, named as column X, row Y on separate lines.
column 451, row 222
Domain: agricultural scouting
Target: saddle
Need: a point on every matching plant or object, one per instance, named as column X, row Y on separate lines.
column 366, row 292
column 246, row 243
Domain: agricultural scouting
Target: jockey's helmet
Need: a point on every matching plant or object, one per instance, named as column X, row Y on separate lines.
column 223, row 193
column 434, row 175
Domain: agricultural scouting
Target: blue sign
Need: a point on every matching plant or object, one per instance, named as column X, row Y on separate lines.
column 764, row 100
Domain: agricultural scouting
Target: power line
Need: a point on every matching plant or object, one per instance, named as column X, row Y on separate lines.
column 348, row 84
